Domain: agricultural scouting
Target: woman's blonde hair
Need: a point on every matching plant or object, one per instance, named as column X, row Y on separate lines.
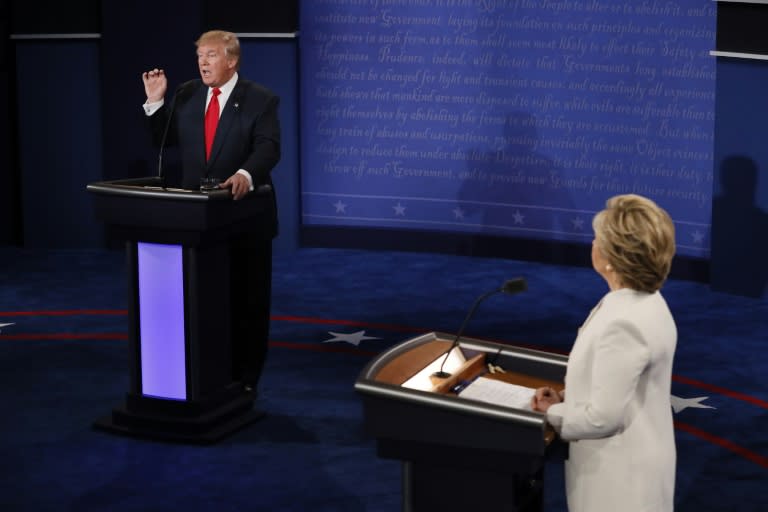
column 637, row 237
column 228, row 39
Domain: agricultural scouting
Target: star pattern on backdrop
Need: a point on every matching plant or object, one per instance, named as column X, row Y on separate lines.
column 698, row 237
column 574, row 223
column 4, row 325
column 680, row 404
column 353, row 338
column 340, row 207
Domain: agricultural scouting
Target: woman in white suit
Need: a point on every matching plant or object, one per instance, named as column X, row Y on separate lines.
column 615, row 409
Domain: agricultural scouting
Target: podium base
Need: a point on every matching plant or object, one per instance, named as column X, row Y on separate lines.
column 191, row 426
column 428, row 487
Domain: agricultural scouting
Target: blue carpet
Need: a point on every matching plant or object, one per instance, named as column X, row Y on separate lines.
column 63, row 364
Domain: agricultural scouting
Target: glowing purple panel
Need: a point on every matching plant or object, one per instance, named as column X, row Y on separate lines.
column 161, row 321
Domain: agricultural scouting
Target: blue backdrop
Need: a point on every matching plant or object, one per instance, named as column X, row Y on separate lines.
column 506, row 117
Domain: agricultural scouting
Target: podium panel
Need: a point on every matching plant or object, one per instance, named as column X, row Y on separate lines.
column 493, row 451
column 161, row 320
column 181, row 384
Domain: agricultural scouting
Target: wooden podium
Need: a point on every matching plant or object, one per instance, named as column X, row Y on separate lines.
column 460, row 454
column 181, row 383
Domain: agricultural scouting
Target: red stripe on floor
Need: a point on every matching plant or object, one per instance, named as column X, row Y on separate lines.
column 723, row 443
column 319, row 321
column 337, row 348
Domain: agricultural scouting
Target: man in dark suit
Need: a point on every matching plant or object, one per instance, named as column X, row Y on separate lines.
column 227, row 127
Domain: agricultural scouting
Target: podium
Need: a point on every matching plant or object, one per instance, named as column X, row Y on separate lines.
column 460, row 454
column 181, row 385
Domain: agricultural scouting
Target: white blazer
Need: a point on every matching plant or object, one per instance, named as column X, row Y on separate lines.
column 617, row 413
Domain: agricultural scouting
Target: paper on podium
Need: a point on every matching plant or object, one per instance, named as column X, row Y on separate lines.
column 451, row 364
column 499, row 392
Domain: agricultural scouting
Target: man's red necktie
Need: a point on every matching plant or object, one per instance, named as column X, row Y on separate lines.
column 211, row 120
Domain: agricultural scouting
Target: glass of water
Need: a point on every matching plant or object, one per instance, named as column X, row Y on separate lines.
column 208, row 183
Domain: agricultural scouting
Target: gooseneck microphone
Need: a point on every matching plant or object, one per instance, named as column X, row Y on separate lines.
column 168, row 121
column 511, row 287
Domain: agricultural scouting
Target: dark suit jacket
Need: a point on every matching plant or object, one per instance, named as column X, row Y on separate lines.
column 247, row 136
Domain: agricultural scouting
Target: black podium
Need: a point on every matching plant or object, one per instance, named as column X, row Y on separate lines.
column 181, row 385
column 460, row 454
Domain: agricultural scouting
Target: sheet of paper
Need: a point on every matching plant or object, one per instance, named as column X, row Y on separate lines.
column 499, row 393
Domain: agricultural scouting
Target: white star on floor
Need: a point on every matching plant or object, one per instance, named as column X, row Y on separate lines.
column 399, row 209
column 353, row 338
column 518, row 217
column 680, row 404
column 340, row 207
column 458, row 213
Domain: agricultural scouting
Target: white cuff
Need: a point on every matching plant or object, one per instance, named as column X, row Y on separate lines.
column 247, row 175
column 555, row 415
column 152, row 107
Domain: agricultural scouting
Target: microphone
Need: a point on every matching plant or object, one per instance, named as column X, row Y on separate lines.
column 512, row 286
column 171, row 108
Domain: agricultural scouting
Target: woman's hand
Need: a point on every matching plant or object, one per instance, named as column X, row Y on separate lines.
column 544, row 397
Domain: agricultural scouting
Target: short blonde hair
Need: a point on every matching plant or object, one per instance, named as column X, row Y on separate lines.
column 228, row 39
column 637, row 237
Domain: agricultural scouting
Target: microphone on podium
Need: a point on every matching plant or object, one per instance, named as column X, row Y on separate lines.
column 512, row 286
column 179, row 90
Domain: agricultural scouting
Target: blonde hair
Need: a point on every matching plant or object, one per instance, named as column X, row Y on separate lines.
column 228, row 39
column 637, row 237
